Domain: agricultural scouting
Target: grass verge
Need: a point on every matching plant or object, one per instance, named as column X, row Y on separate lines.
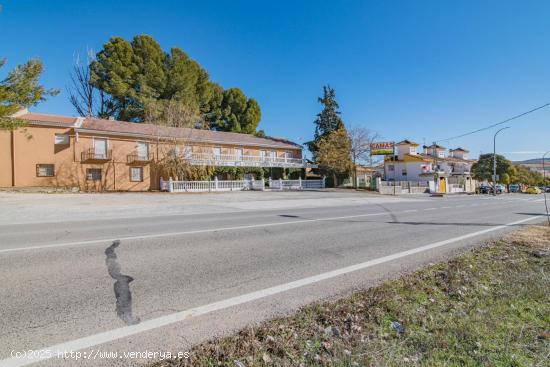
column 489, row 306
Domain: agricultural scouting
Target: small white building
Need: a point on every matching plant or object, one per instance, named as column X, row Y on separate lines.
column 432, row 167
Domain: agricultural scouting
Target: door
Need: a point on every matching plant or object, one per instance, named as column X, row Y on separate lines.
column 238, row 154
column 100, row 148
column 442, row 185
column 142, row 149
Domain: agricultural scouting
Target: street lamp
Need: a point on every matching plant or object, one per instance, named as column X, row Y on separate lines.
column 544, row 185
column 495, row 160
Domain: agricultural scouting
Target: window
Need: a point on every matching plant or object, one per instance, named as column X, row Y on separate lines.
column 217, row 152
column 61, row 139
column 45, row 170
column 136, row 174
column 100, row 148
column 288, row 155
column 273, row 154
column 263, row 154
column 391, row 167
column 93, row 174
column 142, row 149
column 412, row 150
column 404, row 172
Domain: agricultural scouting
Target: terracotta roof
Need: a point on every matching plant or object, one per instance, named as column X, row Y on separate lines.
column 193, row 135
column 46, row 118
column 407, row 142
column 153, row 131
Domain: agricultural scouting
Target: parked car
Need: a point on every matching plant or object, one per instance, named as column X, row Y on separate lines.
column 500, row 188
column 485, row 189
column 533, row 190
column 515, row 188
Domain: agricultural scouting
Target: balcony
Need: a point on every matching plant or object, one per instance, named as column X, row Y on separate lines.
column 90, row 155
column 234, row 160
column 140, row 158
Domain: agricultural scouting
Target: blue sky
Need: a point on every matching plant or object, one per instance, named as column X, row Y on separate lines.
column 421, row 70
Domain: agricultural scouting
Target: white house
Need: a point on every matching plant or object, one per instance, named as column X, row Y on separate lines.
column 432, row 167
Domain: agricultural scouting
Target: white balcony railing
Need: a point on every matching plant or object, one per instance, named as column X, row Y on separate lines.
column 212, row 159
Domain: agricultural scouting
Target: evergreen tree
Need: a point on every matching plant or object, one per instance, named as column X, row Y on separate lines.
column 328, row 120
column 140, row 77
column 21, row 89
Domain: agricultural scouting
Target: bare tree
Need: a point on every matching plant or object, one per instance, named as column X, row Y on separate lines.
column 361, row 139
column 87, row 100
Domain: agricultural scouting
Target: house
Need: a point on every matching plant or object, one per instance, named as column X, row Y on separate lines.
column 432, row 168
column 96, row 154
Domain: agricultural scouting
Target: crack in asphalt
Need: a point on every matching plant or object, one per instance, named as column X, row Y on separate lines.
column 121, row 287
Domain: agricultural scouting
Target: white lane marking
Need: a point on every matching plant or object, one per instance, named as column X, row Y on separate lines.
column 410, row 211
column 126, row 331
column 173, row 234
column 198, row 231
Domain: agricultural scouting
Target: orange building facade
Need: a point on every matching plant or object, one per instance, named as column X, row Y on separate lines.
column 106, row 155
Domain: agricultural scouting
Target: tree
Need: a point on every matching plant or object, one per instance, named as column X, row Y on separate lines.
column 87, row 100
column 328, row 120
column 523, row 175
column 21, row 89
column 138, row 77
column 483, row 168
column 361, row 139
column 334, row 153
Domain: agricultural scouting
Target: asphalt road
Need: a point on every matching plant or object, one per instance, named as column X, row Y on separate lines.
column 160, row 283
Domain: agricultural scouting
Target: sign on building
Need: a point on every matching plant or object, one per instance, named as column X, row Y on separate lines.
column 381, row 148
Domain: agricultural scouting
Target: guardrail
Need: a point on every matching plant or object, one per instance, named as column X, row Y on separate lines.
column 231, row 160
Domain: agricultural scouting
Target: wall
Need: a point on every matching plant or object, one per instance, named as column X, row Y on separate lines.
column 36, row 145
column 5, row 158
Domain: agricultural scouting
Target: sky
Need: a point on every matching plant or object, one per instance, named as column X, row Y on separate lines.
column 420, row 70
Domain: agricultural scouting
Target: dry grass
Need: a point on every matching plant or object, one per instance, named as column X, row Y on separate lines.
column 488, row 307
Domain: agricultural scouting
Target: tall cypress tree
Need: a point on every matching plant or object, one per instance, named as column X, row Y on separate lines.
column 328, row 120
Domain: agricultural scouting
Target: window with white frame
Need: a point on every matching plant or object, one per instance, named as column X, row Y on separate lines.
column 217, row 151
column 187, row 151
column 391, row 167
column 263, row 154
column 288, row 155
column 93, row 174
column 45, row 170
column 61, row 139
column 403, row 172
column 136, row 174
column 273, row 155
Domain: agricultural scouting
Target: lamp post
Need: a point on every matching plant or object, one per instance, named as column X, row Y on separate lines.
column 544, row 185
column 495, row 160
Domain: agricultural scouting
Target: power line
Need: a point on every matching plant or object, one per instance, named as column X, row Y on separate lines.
column 496, row 124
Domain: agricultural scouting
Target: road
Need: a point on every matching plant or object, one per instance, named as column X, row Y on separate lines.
column 148, row 282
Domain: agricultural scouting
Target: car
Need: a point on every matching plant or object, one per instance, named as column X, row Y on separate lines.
column 500, row 188
column 533, row 190
column 515, row 188
column 485, row 189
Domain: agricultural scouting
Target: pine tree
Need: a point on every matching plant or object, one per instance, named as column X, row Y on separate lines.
column 21, row 89
column 328, row 120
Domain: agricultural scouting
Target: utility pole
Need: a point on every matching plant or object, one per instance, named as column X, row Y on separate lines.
column 495, row 160
column 544, row 186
